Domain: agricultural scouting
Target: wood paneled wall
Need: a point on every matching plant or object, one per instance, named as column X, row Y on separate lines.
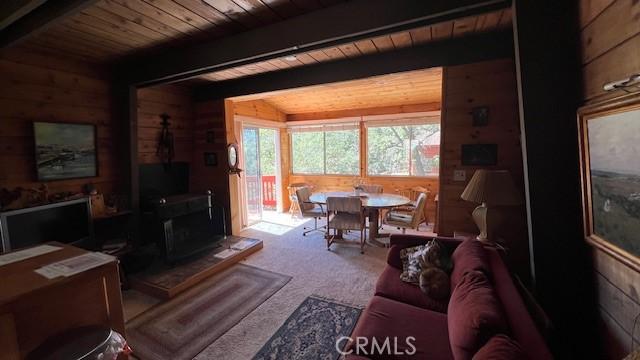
column 211, row 116
column 491, row 84
column 259, row 109
column 610, row 47
column 176, row 101
column 36, row 86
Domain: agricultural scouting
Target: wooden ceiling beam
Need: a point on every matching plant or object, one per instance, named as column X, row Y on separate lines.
column 335, row 25
column 446, row 53
column 12, row 10
column 39, row 18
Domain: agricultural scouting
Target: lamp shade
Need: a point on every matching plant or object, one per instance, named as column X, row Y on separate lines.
column 494, row 187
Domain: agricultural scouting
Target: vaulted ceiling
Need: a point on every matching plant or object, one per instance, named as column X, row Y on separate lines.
column 406, row 88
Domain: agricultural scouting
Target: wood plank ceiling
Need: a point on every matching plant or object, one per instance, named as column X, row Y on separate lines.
column 112, row 29
column 400, row 89
column 443, row 31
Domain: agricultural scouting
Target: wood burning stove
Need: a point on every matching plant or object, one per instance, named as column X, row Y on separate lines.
column 186, row 225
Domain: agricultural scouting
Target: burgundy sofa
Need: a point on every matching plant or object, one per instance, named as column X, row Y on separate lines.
column 484, row 306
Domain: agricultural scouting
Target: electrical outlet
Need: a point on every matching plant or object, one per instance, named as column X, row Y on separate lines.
column 459, row 175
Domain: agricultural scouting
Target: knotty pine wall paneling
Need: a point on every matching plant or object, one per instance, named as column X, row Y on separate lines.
column 610, row 48
column 211, row 116
column 39, row 86
column 176, row 101
column 491, row 84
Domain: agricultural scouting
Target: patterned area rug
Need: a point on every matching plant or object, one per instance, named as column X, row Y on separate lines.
column 184, row 326
column 311, row 332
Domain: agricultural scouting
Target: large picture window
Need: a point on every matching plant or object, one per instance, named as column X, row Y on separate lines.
column 410, row 149
column 328, row 149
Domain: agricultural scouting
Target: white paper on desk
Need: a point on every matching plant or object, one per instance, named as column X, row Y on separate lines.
column 78, row 264
column 48, row 272
column 226, row 253
column 26, row 254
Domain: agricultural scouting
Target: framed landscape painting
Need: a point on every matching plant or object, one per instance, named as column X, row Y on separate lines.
column 65, row 151
column 610, row 165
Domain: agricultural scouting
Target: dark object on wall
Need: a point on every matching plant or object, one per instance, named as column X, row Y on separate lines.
column 65, row 151
column 611, row 178
column 66, row 222
column 157, row 182
column 480, row 116
column 232, row 153
column 479, row 154
column 210, row 136
column 210, row 159
column 165, row 150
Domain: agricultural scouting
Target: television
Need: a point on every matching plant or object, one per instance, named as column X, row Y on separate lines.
column 66, row 222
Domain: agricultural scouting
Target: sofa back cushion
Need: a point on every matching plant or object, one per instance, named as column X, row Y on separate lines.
column 468, row 256
column 474, row 315
column 500, row 347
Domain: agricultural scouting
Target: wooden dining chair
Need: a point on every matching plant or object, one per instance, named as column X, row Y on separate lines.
column 345, row 213
column 369, row 188
column 294, row 208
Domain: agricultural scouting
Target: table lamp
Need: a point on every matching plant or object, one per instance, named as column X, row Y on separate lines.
column 490, row 188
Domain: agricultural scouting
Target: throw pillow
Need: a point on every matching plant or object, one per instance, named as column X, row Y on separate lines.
column 411, row 260
column 435, row 283
column 500, row 347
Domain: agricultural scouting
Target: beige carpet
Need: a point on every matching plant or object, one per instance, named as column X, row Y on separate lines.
column 342, row 274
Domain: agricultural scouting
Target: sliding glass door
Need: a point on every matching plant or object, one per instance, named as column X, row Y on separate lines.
column 252, row 175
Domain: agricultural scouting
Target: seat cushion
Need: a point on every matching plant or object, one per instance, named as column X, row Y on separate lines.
column 346, row 221
column 468, row 256
column 390, row 286
column 500, row 347
column 419, row 333
column 474, row 315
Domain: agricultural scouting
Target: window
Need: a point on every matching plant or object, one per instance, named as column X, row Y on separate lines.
column 403, row 150
column 329, row 149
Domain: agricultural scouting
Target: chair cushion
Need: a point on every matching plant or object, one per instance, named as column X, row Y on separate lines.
column 474, row 315
column 389, row 319
column 390, row 286
column 346, row 221
column 468, row 256
column 313, row 211
column 500, row 347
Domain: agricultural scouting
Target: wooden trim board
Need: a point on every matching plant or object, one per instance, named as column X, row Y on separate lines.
column 139, row 283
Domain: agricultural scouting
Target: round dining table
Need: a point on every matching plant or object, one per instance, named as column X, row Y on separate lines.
column 373, row 202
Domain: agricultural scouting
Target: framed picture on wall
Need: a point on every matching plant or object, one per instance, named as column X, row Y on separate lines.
column 65, row 150
column 610, row 171
column 480, row 154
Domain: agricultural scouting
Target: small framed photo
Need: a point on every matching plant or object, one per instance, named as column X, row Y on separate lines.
column 609, row 137
column 210, row 159
column 479, row 154
column 480, row 116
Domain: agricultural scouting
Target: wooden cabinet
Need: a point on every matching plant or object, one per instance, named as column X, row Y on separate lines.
column 33, row 308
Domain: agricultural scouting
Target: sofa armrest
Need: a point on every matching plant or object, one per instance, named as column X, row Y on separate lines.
column 399, row 242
